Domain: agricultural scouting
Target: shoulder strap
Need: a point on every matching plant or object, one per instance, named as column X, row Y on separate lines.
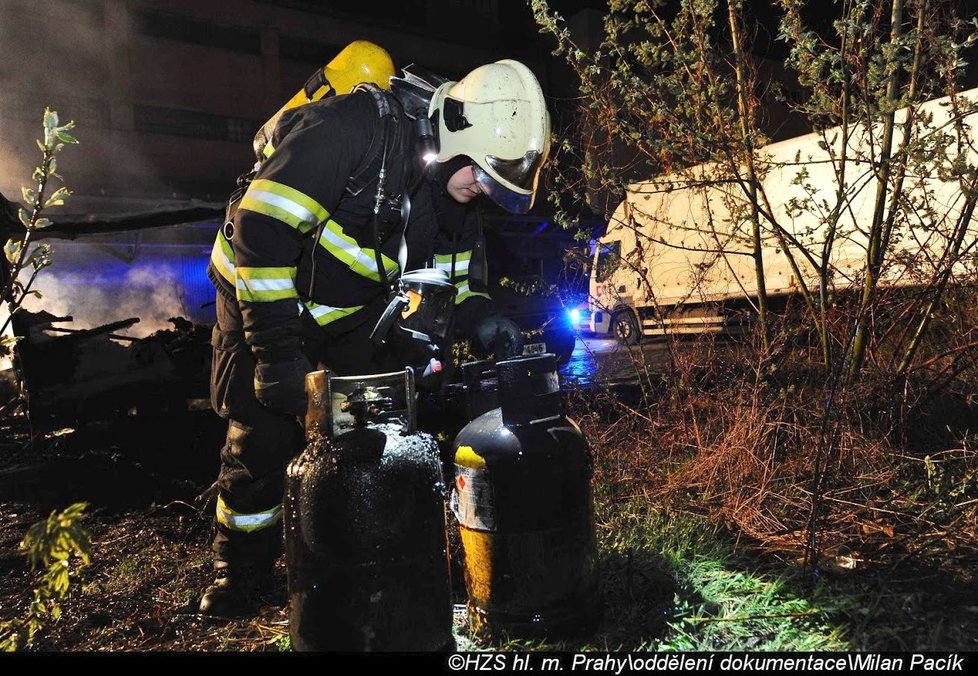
column 317, row 83
column 366, row 171
column 478, row 270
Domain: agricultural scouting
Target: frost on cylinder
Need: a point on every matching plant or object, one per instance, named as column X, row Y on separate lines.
column 365, row 527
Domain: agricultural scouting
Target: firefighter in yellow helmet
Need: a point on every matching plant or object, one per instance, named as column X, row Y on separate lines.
column 355, row 190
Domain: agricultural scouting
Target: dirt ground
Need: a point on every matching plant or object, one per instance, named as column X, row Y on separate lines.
column 150, row 536
column 150, row 558
column 145, row 479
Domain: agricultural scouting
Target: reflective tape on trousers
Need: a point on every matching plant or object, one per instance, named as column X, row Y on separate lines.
column 247, row 523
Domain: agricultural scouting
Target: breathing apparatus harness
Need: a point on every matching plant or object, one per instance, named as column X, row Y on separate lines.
column 423, row 300
column 414, row 91
column 362, row 176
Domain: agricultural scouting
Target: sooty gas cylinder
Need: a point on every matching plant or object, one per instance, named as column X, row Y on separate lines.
column 366, row 551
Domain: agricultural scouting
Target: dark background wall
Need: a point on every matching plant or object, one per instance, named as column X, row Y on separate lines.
column 168, row 94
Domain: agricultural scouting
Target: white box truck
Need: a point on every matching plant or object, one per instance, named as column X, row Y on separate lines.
column 676, row 254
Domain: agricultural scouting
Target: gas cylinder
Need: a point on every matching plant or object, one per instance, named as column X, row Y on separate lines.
column 366, row 549
column 360, row 61
column 481, row 387
column 522, row 497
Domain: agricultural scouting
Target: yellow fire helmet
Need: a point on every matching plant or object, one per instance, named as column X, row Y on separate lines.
column 360, row 61
column 497, row 117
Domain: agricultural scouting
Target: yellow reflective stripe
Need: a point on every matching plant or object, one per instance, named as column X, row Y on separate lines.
column 222, row 257
column 307, row 203
column 359, row 259
column 465, row 292
column 468, row 294
column 462, row 258
column 285, row 204
column 246, row 523
column 268, row 149
column 264, row 285
column 325, row 314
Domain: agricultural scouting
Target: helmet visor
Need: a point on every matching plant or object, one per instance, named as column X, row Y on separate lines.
column 513, row 201
column 522, row 172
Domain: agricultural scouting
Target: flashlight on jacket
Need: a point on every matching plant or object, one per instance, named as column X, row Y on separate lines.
column 426, row 139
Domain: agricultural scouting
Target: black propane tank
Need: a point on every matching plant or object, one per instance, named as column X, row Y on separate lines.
column 481, row 387
column 366, row 551
column 522, row 497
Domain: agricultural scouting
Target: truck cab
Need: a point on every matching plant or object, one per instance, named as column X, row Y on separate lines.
column 607, row 259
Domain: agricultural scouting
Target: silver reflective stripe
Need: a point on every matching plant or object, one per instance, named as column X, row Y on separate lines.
column 293, row 208
column 246, row 523
column 459, row 260
column 265, row 285
column 340, row 242
column 254, row 285
column 360, row 260
column 461, row 267
column 283, row 203
column 465, row 292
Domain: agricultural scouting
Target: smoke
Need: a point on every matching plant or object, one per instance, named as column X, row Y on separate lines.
column 113, row 280
column 154, row 294
column 152, row 291
column 51, row 58
column 82, row 59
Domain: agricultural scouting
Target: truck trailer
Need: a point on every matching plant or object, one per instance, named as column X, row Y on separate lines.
column 677, row 253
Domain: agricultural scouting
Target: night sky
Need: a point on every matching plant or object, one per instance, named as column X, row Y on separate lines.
column 520, row 25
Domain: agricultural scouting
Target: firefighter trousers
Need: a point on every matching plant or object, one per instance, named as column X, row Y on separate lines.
column 261, row 442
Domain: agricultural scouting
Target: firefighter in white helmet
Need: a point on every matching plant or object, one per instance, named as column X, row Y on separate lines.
column 496, row 116
column 353, row 190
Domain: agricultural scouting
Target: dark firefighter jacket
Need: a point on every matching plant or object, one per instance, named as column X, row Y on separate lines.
column 301, row 240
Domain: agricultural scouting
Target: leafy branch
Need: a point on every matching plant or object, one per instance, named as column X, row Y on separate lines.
column 56, row 545
column 17, row 250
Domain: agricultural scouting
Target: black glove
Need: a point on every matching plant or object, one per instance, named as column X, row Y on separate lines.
column 281, row 385
column 498, row 335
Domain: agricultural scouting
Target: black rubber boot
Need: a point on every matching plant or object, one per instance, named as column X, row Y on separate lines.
column 243, row 564
column 236, row 590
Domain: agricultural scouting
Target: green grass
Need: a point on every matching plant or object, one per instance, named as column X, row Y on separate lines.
column 682, row 571
column 673, row 582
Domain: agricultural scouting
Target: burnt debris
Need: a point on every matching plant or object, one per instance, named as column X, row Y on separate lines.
column 96, row 374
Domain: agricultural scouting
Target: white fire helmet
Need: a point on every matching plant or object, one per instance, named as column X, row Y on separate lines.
column 497, row 117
